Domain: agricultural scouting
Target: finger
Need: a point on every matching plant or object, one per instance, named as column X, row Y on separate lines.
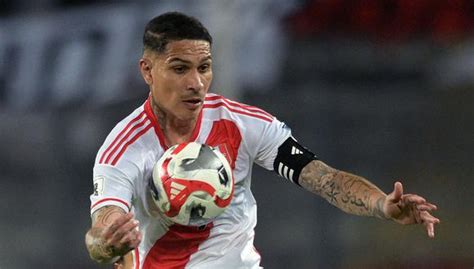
column 129, row 236
column 397, row 193
column 117, row 223
column 120, row 232
column 428, row 218
column 433, row 206
column 127, row 227
column 417, row 214
column 132, row 240
column 140, row 236
column 430, row 230
column 137, row 241
column 413, row 198
column 426, row 207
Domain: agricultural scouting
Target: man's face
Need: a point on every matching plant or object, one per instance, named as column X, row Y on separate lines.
column 180, row 77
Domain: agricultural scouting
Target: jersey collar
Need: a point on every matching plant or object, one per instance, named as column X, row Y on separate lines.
column 159, row 132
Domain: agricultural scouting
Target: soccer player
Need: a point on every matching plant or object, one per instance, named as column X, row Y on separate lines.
column 177, row 66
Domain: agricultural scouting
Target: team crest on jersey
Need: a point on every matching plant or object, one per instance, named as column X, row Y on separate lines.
column 98, row 185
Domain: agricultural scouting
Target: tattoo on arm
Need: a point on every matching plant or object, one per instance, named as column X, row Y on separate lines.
column 106, row 215
column 98, row 248
column 352, row 194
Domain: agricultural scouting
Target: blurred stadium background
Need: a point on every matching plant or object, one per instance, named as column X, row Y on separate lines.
column 382, row 88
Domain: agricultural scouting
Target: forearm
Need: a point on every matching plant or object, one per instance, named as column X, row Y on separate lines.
column 351, row 193
column 98, row 250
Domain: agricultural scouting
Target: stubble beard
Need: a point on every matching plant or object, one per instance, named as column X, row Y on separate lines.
column 167, row 119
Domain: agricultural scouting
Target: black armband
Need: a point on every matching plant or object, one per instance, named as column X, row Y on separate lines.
column 291, row 159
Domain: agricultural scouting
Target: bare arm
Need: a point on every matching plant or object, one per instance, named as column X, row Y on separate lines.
column 113, row 234
column 356, row 195
column 350, row 193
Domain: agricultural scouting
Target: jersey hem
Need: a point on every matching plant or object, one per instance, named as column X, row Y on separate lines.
column 110, row 201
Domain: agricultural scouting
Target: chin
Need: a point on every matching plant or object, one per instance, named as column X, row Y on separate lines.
column 190, row 115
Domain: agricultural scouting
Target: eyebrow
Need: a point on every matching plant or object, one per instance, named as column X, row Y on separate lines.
column 177, row 59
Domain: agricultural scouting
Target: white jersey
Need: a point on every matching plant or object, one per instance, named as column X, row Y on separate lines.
column 123, row 168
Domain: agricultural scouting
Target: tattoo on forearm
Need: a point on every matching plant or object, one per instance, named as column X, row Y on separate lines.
column 331, row 192
column 104, row 215
column 351, row 193
column 99, row 250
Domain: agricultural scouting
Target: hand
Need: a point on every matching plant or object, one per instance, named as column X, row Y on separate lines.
column 122, row 235
column 409, row 209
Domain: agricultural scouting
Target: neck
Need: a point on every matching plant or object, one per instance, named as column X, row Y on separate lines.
column 176, row 130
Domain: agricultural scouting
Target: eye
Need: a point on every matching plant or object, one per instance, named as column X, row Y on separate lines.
column 179, row 69
column 204, row 68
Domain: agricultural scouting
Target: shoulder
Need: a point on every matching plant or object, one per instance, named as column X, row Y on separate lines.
column 128, row 134
column 219, row 105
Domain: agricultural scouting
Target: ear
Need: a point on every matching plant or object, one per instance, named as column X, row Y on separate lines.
column 145, row 69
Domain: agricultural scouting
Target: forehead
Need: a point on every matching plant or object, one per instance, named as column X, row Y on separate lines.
column 187, row 49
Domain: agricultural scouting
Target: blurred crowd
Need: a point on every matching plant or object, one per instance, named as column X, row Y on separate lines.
column 389, row 20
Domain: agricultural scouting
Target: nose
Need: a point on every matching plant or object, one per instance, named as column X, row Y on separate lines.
column 195, row 81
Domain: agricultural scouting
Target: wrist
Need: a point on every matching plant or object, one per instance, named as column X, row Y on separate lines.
column 378, row 207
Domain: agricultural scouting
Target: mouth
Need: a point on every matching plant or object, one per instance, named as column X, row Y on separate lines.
column 193, row 103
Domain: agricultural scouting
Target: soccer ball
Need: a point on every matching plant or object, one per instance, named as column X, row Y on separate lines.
column 192, row 184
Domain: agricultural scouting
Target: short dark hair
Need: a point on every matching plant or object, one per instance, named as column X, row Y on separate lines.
column 173, row 26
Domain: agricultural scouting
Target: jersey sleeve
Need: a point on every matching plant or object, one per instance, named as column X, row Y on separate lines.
column 113, row 185
column 268, row 141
